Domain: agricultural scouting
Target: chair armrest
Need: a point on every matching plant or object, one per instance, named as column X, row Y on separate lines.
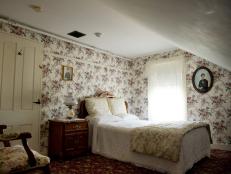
column 24, row 135
column 14, row 136
column 6, row 138
column 31, row 158
column 2, row 127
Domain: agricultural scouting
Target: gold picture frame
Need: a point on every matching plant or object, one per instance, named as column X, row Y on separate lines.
column 67, row 73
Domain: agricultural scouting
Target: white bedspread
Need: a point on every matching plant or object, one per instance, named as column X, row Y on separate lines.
column 110, row 136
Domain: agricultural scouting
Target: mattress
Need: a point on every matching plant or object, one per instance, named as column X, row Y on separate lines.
column 110, row 136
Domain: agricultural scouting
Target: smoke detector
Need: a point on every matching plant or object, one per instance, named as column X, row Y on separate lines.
column 98, row 34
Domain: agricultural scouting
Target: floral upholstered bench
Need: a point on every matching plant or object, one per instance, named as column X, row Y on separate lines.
column 19, row 159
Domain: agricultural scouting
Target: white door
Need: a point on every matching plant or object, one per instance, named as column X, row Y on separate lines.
column 20, row 85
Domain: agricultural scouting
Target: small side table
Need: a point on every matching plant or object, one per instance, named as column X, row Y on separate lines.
column 67, row 138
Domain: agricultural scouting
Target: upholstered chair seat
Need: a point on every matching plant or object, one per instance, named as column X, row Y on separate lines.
column 15, row 158
column 20, row 158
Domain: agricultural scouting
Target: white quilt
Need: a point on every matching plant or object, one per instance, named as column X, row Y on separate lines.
column 110, row 136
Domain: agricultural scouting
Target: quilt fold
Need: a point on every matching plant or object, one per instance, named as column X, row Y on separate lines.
column 163, row 140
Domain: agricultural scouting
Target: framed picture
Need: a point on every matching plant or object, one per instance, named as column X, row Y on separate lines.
column 202, row 79
column 67, row 73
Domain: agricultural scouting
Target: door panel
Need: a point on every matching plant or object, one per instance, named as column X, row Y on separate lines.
column 18, row 80
column 20, row 84
column 1, row 66
column 28, row 78
column 7, row 86
column 37, row 77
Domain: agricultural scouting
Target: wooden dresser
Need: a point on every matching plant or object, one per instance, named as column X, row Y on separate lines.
column 67, row 138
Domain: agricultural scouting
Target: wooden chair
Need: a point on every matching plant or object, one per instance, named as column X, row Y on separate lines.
column 20, row 159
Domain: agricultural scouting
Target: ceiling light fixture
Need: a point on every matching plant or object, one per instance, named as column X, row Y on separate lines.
column 98, row 34
column 210, row 12
column 36, row 8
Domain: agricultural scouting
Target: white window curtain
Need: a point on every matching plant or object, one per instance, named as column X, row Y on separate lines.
column 166, row 90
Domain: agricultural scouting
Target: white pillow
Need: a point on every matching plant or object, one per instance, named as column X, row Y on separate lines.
column 117, row 106
column 97, row 106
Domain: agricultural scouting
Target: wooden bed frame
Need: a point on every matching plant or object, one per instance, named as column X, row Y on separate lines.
column 83, row 111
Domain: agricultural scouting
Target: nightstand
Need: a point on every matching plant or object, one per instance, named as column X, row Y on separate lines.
column 67, row 138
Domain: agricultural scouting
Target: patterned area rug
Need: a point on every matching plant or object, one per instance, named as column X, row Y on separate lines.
column 219, row 163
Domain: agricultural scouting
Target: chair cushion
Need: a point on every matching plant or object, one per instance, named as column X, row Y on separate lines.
column 15, row 159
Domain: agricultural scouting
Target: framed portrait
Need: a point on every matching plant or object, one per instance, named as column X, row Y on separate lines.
column 202, row 79
column 67, row 73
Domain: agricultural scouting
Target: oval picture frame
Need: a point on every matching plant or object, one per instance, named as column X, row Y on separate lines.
column 202, row 79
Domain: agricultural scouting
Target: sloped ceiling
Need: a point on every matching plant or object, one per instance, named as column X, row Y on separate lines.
column 202, row 27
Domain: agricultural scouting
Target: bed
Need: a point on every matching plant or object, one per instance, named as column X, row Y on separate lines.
column 110, row 136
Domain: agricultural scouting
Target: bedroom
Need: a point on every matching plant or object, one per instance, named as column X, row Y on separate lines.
column 133, row 35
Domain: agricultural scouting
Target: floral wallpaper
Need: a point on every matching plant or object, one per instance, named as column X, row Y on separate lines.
column 94, row 69
column 213, row 107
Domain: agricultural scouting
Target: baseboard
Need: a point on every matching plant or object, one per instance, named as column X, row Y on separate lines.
column 221, row 146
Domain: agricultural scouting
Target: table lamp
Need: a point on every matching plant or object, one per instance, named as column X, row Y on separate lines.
column 69, row 101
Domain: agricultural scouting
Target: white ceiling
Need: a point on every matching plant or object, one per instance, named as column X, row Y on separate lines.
column 202, row 27
column 133, row 28
column 121, row 34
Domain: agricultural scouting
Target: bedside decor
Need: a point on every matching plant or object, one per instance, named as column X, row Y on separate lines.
column 202, row 79
column 70, row 101
column 67, row 73
column 67, row 138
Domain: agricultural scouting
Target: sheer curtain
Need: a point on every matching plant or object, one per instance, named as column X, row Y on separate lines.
column 166, row 90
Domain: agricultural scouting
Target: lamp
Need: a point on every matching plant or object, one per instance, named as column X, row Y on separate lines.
column 69, row 101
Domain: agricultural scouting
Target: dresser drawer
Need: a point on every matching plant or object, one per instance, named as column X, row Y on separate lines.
column 78, row 140
column 82, row 139
column 76, row 126
column 71, row 142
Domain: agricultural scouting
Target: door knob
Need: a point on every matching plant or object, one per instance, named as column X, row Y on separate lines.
column 37, row 102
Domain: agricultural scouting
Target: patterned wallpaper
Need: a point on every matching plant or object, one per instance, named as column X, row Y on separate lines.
column 213, row 107
column 94, row 69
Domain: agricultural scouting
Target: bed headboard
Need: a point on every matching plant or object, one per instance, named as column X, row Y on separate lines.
column 83, row 111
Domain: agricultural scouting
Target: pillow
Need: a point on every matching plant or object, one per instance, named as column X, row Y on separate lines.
column 117, row 106
column 97, row 106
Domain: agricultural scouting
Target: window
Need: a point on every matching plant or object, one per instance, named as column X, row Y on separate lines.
column 166, row 90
